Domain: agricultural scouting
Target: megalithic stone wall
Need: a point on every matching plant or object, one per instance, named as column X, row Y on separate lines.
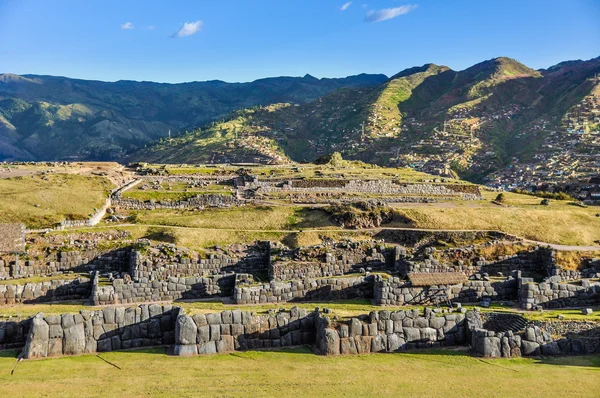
column 109, row 329
column 385, row 331
column 242, row 330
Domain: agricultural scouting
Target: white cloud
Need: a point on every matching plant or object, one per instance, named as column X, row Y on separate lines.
column 345, row 6
column 127, row 26
column 388, row 13
column 189, row 28
column 151, row 27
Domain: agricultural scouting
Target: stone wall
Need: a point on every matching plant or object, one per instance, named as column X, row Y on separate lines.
column 333, row 260
column 535, row 261
column 172, row 289
column 13, row 332
column 41, row 292
column 109, row 329
column 198, row 201
column 242, row 330
column 383, row 187
column 395, row 291
column 386, row 331
column 534, row 341
column 56, row 261
column 304, row 290
column 558, row 295
column 165, row 261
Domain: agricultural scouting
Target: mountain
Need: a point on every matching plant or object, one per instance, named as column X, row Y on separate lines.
column 48, row 117
column 471, row 122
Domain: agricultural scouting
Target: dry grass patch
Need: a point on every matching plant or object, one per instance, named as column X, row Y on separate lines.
column 41, row 201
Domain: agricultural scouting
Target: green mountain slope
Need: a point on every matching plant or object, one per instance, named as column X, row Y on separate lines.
column 431, row 117
column 46, row 117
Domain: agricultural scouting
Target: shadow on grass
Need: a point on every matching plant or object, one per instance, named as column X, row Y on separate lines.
column 592, row 361
column 9, row 353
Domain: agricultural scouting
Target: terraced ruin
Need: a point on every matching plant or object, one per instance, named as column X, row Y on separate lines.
column 198, row 260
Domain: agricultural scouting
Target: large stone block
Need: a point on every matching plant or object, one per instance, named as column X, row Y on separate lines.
column 209, row 347
column 379, row 343
column 530, row 348
column 395, row 342
column 37, row 339
column 74, row 340
column 488, row 347
column 185, row 330
column 226, row 344
column 332, row 342
column 412, row 335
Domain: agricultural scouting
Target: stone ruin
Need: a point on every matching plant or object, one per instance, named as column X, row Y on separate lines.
column 135, row 272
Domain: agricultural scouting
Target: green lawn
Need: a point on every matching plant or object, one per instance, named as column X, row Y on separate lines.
column 297, row 372
column 41, row 201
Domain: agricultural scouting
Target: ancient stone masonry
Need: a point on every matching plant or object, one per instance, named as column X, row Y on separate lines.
column 109, row 329
column 165, row 261
column 301, row 189
column 198, row 201
column 338, row 288
column 119, row 328
column 385, row 331
column 241, row 330
column 333, row 260
column 13, row 332
column 57, row 261
column 171, row 289
column 532, row 261
column 534, row 341
column 54, row 290
column 396, row 291
column 558, row 295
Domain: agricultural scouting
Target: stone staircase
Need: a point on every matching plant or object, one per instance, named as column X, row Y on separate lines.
column 502, row 322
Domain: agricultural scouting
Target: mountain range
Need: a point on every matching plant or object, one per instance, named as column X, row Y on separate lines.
column 469, row 122
column 48, row 118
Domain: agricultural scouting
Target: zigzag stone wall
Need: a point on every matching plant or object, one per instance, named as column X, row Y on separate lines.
column 395, row 291
column 109, row 329
column 304, row 290
column 385, row 331
column 143, row 290
column 55, row 290
column 241, row 330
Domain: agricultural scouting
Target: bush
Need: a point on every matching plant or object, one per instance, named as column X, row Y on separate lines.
column 501, row 198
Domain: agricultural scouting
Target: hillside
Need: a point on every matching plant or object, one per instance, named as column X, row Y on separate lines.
column 441, row 121
column 48, row 118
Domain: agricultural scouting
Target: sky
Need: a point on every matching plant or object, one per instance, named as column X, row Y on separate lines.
column 243, row 40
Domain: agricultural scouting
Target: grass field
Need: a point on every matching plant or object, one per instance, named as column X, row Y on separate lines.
column 560, row 223
column 241, row 218
column 298, row 372
column 41, row 201
column 348, row 170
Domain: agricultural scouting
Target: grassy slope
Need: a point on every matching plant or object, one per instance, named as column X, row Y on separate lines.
column 523, row 216
column 59, row 196
column 298, row 372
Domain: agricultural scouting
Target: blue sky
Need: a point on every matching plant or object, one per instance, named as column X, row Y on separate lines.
column 243, row 40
